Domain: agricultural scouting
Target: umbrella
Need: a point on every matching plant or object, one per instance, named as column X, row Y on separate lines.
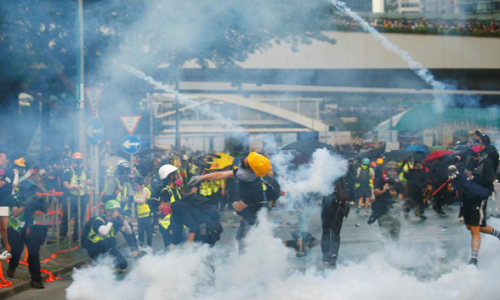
column 436, row 155
column 438, row 147
column 111, row 161
column 417, row 148
column 224, row 161
column 373, row 153
column 307, row 147
column 398, row 155
column 13, row 151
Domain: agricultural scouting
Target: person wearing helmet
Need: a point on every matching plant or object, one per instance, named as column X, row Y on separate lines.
column 23, row 230
column 75, row 180
column 20, row 173
column 100, row 238
column 365, row 178
column 6, row 179
column 388, row 190
column 251, row 169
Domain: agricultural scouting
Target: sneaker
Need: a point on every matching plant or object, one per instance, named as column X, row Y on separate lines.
column 326, row 258
column 333, row 262
column 5, row 255
column 460, row 219
column 37, row 284
column 473, row 261
column 366, row 213
column 358, row 209
column 441, row 213
column 11, row 272
column 423, row 218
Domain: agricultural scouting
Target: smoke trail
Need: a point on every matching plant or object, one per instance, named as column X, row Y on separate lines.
column 205, row 110
column 415, row 66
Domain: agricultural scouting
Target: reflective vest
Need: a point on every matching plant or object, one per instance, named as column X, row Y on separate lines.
column 206, row 189
column 78, row 181
column 365, row 175
column 95, row 237
column 217, row 184
column 143, row 210
column 122, row 195
column 18, row 223
column 165, row 221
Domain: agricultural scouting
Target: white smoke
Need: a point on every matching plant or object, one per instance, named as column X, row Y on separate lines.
column 317, row 177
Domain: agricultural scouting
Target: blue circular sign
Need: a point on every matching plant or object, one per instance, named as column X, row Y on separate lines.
column 131, row 144
column 94, row 131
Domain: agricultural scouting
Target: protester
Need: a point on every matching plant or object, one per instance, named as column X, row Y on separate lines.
column 388, row 190
column 417, row 182
column 252, row 168
column 365, row 178
column 23, row 231
column 6, row 179
column 144, row 218
column 474, row 180
column 334, row 209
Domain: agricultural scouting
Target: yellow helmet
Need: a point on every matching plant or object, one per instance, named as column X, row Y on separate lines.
column 380, row 161
column 20, row 162
column 259, row 164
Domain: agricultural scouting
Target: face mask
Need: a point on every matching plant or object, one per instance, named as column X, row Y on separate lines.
column 166, row 210
column 245, row 175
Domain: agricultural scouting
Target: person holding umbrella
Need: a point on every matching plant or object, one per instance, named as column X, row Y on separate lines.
column 6, row 180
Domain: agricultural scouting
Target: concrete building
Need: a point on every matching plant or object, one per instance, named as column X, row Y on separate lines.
column 479, row 6
column 359, row 5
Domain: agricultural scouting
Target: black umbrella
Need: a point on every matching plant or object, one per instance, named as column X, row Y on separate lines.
column 12, row 151
column 373, row 153
column 307, row 147
column 398, row 155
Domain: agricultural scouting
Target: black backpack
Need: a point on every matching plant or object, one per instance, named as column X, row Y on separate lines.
column 273, row 188
column 210, row 225
column 85, row 233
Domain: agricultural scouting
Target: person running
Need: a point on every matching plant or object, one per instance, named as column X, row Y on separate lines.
column 388, row 190
column 334, row 209
column 75, row 181
column 474, row 181
column 23, row 231
column 6, row 180
column 365, row 178
column 101, row 237
column 252, row 168
column 417, row 182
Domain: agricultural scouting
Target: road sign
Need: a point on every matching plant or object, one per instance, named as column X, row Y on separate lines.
column 93, row 97
column 94, row 131
column 130, row 122
column 131, row 144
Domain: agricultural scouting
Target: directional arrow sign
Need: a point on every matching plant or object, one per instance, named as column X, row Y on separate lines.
column 93, row 96
column 130, row 122
column 94, row 131
column 131, row 144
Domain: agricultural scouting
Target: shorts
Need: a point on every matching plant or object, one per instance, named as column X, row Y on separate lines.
column 4, row 211
column 474, row 215
column 364, row 192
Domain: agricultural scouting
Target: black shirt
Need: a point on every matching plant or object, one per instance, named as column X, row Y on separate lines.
column 383, row 203
column 184, row 213
column 252, row 194
column 7, row 176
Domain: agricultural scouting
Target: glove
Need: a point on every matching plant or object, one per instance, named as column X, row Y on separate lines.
column 194, row 180
column 153, row 206
column 117, row 223
column 452, row 172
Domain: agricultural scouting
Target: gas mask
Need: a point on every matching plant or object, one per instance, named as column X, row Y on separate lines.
column 391, row 176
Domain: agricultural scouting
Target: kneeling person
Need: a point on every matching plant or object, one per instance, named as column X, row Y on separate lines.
column 100, row 238
column 23, row 231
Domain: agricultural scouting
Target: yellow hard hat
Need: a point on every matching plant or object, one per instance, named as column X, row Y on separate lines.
column 259, row 164
column 380, row 161
column 20, row 162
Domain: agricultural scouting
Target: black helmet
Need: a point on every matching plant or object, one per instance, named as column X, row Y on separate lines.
column 392, row 165
column 122, row 168
column 136, row 177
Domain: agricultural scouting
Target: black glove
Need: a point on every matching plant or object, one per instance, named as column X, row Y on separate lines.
column 154, row 205
column 117, row 223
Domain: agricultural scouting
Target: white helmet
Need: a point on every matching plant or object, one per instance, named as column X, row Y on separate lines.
column 166, row 170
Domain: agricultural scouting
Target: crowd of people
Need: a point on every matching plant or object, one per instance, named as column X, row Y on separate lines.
column 422, row 26
column 183, row 198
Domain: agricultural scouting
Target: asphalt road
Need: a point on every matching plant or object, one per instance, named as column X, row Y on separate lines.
column 358, row 240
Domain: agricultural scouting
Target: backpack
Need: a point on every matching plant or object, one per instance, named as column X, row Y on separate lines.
column 85, row 233
column 273, row 188
column 210, row 225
